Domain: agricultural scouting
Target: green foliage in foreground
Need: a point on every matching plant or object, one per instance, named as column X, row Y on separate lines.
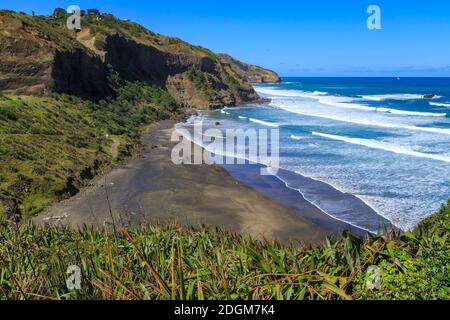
column 170, row 262
column 51, row 146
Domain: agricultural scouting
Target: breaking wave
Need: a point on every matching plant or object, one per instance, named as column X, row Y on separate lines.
column 384, row 146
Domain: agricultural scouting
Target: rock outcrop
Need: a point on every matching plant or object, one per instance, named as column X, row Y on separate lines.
column 40, row 55
column 249, row 72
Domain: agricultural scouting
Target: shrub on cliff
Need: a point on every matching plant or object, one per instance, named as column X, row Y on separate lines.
column 201, row 81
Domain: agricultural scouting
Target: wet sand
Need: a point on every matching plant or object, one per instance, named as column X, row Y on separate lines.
column 151, row 189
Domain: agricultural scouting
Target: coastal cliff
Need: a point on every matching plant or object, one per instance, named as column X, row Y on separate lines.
column 40, row 56
column 249, row 72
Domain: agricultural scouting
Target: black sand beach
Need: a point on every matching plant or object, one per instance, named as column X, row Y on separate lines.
column 152, row 189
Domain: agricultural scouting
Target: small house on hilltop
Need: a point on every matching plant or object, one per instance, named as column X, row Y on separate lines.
column 93, row 12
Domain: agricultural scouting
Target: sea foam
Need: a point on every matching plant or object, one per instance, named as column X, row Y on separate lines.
column 264, row 123
column 384, row 146
column 347, row 102
column 394, row 96
column 294, row 137
column 437, row 104
column 351, row 118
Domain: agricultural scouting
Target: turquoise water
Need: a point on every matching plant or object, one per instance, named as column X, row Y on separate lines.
column 378, row 139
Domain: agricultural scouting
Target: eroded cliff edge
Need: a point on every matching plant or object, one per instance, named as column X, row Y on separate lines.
column 250, row 72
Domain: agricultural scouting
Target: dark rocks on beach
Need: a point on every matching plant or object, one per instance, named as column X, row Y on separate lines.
column 429, row 96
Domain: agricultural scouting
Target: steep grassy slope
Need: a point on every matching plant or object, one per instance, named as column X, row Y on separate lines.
column 51, row 146
column 170, row 262
column 41, row 55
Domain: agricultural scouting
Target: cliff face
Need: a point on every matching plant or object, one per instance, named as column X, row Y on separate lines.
column 249, row 72
column 26, row 60
column 77, row 73
column 194, row 79
column 39, row 56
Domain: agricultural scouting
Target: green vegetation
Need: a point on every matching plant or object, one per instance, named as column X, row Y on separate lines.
column 106, row 24
column 206, row 51
column 99, row 44
column 170, row 262
column 417, row 266
column 43, row 141
column 202, row 81
column 49, row 27
column 229, row 78
column 54, row 28
column 51, row 146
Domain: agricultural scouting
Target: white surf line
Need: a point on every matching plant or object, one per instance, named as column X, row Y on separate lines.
column 363, row 107
column 302, row 193
column 348, row 102
column 395, row 96
column 314, row 202
column 368, row 123
column 265, row 123
column 410, row 113
column 340, row 102
column 383, row 146
column 438, row 104
column 294, row 137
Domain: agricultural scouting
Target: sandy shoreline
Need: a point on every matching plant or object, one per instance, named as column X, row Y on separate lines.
column 152, row 189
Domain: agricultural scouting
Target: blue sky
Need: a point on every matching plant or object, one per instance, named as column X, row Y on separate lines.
column 297, row 38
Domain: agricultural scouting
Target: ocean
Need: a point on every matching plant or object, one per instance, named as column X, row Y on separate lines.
column 378, row 140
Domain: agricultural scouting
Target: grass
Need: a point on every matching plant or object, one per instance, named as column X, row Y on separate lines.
column 50, row 29
column 171, row 262
column 51, row 146
column 39, row 150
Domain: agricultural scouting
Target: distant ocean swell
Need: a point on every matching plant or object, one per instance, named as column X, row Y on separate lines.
column 356, row 118
column 384, row 146
column 349, row 102
column 422, row 137
column 358, row 149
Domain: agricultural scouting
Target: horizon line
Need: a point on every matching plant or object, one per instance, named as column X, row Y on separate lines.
column 386, row 77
